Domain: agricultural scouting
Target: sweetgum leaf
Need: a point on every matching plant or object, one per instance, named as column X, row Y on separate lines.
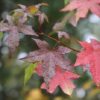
column 63, row 79
column 16, row 23
column 14, row 30
column 90, row 56
column 29, row 11
column 49, row 59
column 29, row 71
column 82, row 8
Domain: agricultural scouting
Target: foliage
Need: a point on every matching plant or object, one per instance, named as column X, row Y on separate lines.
column 90, row 57
column 50, row 60
column 29, row 72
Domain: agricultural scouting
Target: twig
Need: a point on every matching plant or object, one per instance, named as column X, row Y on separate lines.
column 60, row 42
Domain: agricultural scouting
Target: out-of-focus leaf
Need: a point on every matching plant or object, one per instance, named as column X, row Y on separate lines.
column 27, row 30
column 66, row 1
column 93, row 93
column 36, row 94
column 42, row 17
column 62, row 34
column 4, row 27
column 58, row 26
column 20, row 17
column 88, row 85
column 29, row 72
column 13, row 39
column 32, row 9
column 22, row 6
column 1, row 35
column 82, row 8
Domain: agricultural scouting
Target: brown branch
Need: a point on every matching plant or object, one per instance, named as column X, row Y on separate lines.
column 60, row 42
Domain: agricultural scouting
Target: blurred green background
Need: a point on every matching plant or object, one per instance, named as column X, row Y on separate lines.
column 12, row 70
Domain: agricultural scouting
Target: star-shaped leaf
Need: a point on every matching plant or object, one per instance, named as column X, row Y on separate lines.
column 14, row 30
column 49, row 59
column 82, row 8
column 63, row 79
column 90, row 56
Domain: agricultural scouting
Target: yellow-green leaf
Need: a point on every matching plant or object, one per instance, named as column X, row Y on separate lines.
column 1, row 35
column 28, row 72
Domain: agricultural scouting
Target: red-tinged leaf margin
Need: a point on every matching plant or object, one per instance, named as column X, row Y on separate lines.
column 62, row 79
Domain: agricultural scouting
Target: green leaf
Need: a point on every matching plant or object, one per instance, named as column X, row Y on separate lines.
column 1, row 35
column 29, row 72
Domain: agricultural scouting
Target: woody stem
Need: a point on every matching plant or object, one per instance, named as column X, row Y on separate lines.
column 60, row 42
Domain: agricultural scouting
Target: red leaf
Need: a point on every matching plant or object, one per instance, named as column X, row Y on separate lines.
column 49, row 59
column 90, row 56
column 39, row 70
column 82, row 8
column 63, row 79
